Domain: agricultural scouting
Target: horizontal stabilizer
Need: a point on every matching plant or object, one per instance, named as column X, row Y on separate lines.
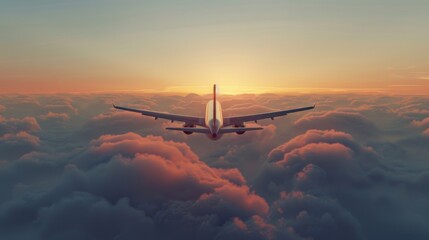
column 190, row 129
column 238, row 129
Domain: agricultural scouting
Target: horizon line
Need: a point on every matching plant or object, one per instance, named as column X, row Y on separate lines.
column 180, row 90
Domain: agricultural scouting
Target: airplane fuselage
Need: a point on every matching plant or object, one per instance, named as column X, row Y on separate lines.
column 214, row 119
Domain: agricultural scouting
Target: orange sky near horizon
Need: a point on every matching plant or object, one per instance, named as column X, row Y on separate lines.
column 243, row 46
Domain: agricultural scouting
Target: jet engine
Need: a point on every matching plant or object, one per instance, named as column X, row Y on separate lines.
column 239, row 125
column 190, row 125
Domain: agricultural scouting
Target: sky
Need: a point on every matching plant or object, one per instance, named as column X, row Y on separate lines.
column 354, row 167
column 50, row 46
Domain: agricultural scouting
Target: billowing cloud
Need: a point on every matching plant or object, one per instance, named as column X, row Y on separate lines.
column 16, row 138
column 55, row 116
column 326, row 178
column 352, row 122
column 136, row 177
column 13, row 145
column 314, row 217
column 14, row 125
column 317, row 157
column 19, row 138
column 354, row 168
column 119, row 122
column 423, row 123
column 65, row 107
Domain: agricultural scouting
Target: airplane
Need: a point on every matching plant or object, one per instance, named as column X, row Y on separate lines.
column 214, row 125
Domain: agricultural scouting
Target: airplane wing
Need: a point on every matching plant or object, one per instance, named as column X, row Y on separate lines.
column 173, row 117
column 227, row 121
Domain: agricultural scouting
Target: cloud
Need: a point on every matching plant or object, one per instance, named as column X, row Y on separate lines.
column 335, row 138
column 255, row 227
column 352, row 122
column 170, row 170
column 327, row 179
column 19, row 138
column 65, row 107
column 13, row 145
column 422, row 124
column 14, row 125
column 154, row 181
column 86, row 212
column 314, row 217
column 314, row 159
column 15, row 137
column 355, row 168
column 55, row 116
column 119, row 122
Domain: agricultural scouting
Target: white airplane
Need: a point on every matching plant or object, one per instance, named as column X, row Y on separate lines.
column 214, row 124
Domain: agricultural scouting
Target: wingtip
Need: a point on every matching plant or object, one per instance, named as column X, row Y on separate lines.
column 314, row 105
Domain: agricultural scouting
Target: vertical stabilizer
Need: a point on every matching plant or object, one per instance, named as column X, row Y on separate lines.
column 214, row 106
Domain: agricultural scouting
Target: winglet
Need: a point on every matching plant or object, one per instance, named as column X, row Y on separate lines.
column 314, row 105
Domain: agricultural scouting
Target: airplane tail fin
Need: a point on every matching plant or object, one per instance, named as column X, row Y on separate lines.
column 214, row 105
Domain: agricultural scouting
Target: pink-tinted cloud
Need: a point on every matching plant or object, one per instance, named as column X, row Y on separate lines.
column 314, row 152
column 265, row 228
column 232, row 174
column 423, row 123
column 65, row 107
column 167, row 169
column 312, row 136
column 14, row 125
column 309, row 175
column 119, row 122
column 316, row 158
column 235, row 198
column 55, row 116
column 239, row 224
column 352, row 122
column 14, row 145
column 317, row 184
column 20, row 138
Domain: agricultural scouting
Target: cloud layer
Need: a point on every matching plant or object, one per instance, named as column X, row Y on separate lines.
column 71, row 167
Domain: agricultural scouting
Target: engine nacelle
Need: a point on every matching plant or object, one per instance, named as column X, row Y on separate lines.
column 189, row 125
column 239, row 125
